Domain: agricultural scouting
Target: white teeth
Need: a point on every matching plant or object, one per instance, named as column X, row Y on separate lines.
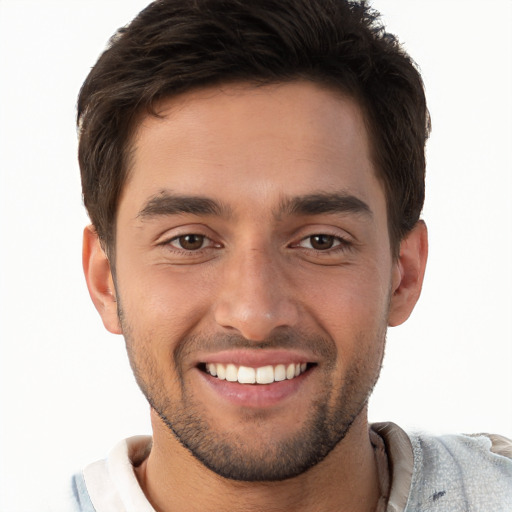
column 246, row 375
column 221, row 371
column 265, row 375
column 231, row 373
column 262, row 375
column 280, row 372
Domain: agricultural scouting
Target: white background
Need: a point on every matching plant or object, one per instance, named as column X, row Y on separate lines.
column 67, row 393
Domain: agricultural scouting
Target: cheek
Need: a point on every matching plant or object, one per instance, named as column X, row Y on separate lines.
column 165, row 303
column 352, row 308
column 350, row 300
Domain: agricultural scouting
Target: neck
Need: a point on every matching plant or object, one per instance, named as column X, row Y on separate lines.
column 346, row 480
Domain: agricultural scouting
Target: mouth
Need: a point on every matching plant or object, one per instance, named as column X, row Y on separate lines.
column 261, row 375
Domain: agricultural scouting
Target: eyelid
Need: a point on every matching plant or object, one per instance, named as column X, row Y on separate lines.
column 206, row 238
column 338, row 241
column 345, row 243
column 181, row 255
column 174, row 232
column 322, row 229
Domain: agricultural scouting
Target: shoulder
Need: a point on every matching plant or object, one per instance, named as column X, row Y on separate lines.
column 461, row 472
column 80, row 499
column 111, row 484
column 466, row 473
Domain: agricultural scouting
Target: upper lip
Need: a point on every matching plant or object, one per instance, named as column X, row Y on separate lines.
column 256, row 358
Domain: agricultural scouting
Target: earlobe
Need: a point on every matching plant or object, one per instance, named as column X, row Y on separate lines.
column 408, row 274
column 99, row 280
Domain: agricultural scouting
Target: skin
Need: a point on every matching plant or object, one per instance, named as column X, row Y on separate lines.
column 255, row 285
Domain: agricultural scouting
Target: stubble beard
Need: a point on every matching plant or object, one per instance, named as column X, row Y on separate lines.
column 246, row 456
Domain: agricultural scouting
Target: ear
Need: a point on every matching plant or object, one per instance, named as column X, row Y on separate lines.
column 408, row 273
column 99, row 280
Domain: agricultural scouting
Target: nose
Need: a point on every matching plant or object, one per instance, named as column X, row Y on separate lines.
column 253, row 297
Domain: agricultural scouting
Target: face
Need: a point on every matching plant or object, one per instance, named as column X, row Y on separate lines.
column 254, row 274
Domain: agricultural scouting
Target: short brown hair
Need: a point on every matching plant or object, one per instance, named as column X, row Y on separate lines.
column 174, row 46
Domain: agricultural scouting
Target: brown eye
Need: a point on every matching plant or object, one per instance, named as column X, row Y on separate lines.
column 190, row 242
column 322, row 242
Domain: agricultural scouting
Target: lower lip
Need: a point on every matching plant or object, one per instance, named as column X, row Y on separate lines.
column 255, row 395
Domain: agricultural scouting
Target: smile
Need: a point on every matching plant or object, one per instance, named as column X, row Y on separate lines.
column 262, row 375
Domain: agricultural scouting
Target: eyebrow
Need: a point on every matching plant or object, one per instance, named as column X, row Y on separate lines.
column 324, row 203
column 167, row 203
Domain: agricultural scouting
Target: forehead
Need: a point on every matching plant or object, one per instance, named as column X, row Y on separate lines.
column 239, row 142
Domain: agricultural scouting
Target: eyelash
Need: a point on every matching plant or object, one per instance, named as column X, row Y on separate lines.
column 339, row 243
column 169, row 243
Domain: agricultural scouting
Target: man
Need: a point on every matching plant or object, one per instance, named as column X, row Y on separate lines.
column 254, row 174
